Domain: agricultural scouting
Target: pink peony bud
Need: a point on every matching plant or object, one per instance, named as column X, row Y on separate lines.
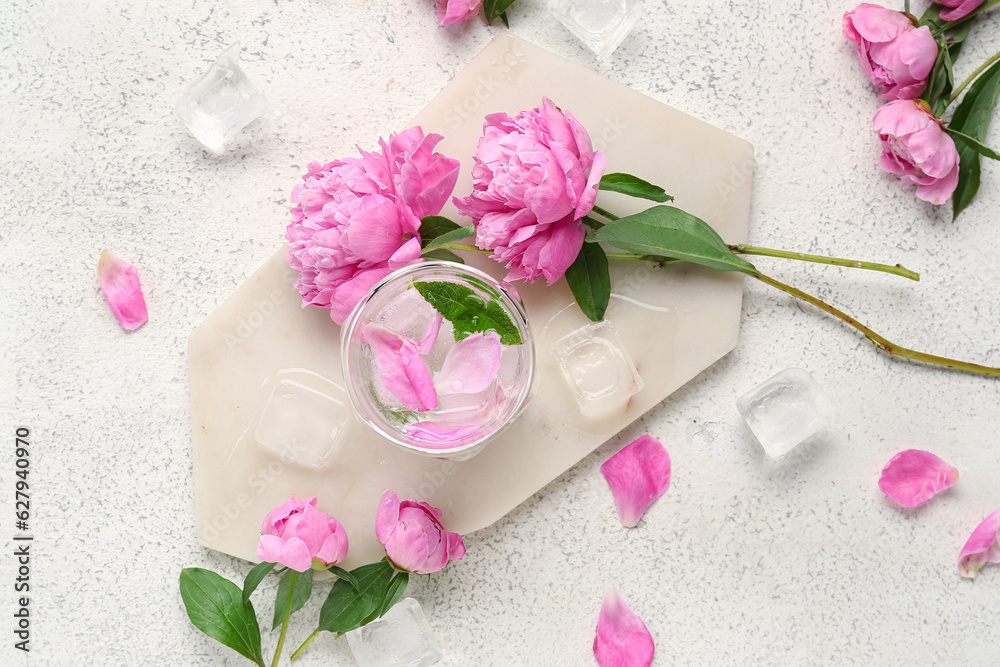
column 299, row 536
column 962, row 8
column 356, row 220
column 413, row 536
column 895, row 55
column 916, row 148
column 456, row 11
column 535, row 177
column 622, row 638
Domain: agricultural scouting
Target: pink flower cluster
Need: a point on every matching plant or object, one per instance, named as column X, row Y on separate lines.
column 358, row 219
column 299, row 536
column 535, row 178
column 897, row 56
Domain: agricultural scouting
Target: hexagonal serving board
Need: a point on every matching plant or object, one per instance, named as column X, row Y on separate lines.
column 269, row 413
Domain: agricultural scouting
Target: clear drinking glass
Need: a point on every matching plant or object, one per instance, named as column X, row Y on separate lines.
column 415, row 373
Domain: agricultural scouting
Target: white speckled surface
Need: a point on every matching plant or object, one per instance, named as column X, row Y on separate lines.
column 743, row 561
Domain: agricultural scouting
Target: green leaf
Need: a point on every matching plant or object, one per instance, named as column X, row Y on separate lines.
column 346, row 608
column 468, row 312
column 503, row 17
column 254, row 577
column 590, row 281
column 972, row 118
column 433, row 226
column 494, row 8
column 215, row 606
column 670, row 232
column 975, row 144
column 633, row 187
column 393, row 593
column 345, row 575
column 303, row 589
column 443, row 255
column 590, row 222
column 450, row 237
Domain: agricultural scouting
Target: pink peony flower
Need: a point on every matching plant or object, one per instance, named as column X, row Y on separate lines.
column 404, row 372
column 962, row 8
column 637, row 475
column 299, row 536
column 983, row 547
column 535, row 177
column 895, row 55
column 622, row 639
column 456, row 11
column 120, row 283
column 913, row 476
column 916, row 148
column 413, row 536
column 356, row 220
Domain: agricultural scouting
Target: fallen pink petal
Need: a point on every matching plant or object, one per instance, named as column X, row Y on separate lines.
column 637, row 475
column 120, row 283
column 470, row 365
column 622, row 638
column 915, row 476
column 982, row 548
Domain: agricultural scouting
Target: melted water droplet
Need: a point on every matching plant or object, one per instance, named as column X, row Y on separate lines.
column 457, row 385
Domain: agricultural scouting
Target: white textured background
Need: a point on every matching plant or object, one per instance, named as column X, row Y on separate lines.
column 743, row 561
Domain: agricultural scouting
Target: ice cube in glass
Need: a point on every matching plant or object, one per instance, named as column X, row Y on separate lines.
column 401, row 638
column 222, row 102
column 600, row 24
column 785, row 411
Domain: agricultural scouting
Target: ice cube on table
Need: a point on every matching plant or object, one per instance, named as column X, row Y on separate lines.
column 222, row 102
column 401, row 638
column 598, row 369
column 785, row 411
column 302, row 424
column 600, row 24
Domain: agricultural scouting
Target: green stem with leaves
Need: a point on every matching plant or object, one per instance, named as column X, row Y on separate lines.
column 305, row 644
column 878, row 340
column 898, row 269
column 284, row 621
column 972, row 77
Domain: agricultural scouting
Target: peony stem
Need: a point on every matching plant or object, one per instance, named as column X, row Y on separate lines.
column 284, row 621
column 898, row 269
column 879, row 341
column 972, row 77
column 461, row 247
column 305, row 644
column 607, row 214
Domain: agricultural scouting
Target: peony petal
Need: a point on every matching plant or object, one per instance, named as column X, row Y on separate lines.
column 622, row 639
column 404, row 372
column 120, row 283
column 430, row 334
column 983, row 547
column 914, row 476
column 470, row 365
column 295, row 555
column 334, row 548
column 637, row 475
column 387, row 515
